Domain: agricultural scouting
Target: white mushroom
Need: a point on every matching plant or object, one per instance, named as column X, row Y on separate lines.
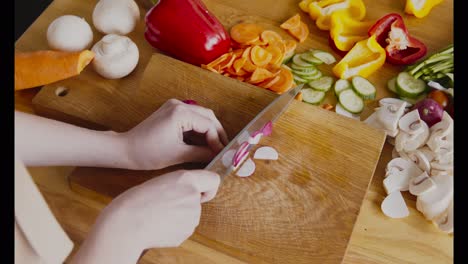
column 436, row 201
column 445, row 155
column 116, row 16
column 69, row 33
column 421, row 184
column 428, row 153
column 394, row 206
column 398, row 174
column 394, row 101
column 373, row 121
column 411, row 123
column 116, row 56
column 436, row 172
column 407, row 142
column 420, row 159
column 441, row 134
column 389, row 115
column 445, row 221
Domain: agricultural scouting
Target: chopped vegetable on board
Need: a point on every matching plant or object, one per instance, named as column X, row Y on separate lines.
column 345, row 31
column 296, row 28
column 392, row 34
column 366, row 57
column 321, row 11
column 420, row 8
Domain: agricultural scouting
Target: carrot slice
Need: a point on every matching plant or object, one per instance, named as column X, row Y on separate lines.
column 238, row 64
column 289, row 46
column 269, row 82
column 284, row 83
column 259, row 75
column 260, row 56
column 299, row 96
column 240, row 78
column 270, row 36
column 300, row 33
column 249, row 66
column 228, row 61
column 292, row 22
column 218, row 60
column 277, row 55
column 245, row 32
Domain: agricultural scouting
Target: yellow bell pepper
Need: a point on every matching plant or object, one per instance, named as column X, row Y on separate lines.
column 321, row 11
column 420, row 8
column 346, row 31
column 363, row 59
column 304, row 5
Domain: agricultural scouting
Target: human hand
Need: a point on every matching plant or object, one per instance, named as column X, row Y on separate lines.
column 158, row 141
column 162, row 212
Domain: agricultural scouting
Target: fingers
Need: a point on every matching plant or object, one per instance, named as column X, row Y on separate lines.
column 208, row 113
column 203, row 125
column 191, row 153
column 206, row 182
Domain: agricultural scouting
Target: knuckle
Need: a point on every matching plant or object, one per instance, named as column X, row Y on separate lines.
column 172, row 101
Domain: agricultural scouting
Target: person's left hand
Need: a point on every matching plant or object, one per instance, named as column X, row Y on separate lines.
column 158, row 141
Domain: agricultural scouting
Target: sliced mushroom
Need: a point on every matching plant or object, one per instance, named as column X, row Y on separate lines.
column 435, row 172
column 411, row 123
column 441, row 134
column 394, row 101
column 398, row 175
column 394, row 206
column 407, row 142
column 445, row 155
column 441, row 166
column 389, row 115
column 421, row 184
column 420, row 159
column 436, row 201
column 445, row 221
column 427, row 152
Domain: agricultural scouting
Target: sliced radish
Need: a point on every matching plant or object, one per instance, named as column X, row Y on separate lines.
column 341, row 111
column 254, row 139
column 243, row 137
column 266, row 153
column 190, row 102
column 267, row 129
column 240, row 154
column 227, row 157
column 246, row 169
column 394, row 206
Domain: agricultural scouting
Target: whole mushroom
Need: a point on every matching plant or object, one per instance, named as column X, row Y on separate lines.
column 116, row 56
column 69, row 33
column 116, row 16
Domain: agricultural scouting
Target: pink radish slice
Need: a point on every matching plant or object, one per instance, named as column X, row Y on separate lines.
column 190, row 102
column 227, row 157
column 267, row 129
column 253, row 140
column 240, row 154
column 394, row 206
column 266, row 153
column 246, row 169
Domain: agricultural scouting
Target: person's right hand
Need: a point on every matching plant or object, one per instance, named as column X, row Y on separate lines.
column 162, row 212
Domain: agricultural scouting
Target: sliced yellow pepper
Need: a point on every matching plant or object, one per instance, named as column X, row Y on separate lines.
column 321, row 11
column 304, row 5
column 420, row 8
column 363, row 59
column 346, row 31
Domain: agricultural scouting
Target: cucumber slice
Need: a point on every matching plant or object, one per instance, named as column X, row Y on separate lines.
column 391, row 85
column 312, row 96
column 299, row 79
column 341, row 85
column 300, row 62
column 350, row 101
column 323, row 83
column 413, row 101
column 309, row 57
column 408, row 86
column 286, row 59
column 363, row 87
column 315, row 76
column 324, row 56
column 305, row 71
column 298, row 67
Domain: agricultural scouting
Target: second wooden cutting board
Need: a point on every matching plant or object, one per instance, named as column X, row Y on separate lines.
column 298, row 209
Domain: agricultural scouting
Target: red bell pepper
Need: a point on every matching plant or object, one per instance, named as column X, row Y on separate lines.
column 186, row 30
column 392, row 34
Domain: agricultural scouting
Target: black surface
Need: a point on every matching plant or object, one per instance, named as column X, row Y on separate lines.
column 26, row 12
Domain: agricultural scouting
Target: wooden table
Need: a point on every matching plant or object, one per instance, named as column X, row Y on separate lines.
column 375, row 239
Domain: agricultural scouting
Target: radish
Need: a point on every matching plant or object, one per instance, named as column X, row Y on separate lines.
column 430, row 111
column 190, row 102
column 266, row 153
column 240, row 154
column 246, row 169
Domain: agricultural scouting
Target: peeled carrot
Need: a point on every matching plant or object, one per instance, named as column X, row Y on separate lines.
column 245, row 33
column 299, row 96
column 289, row 46
column 269, row 82
column 260, row 74
column 37, row 68
column 270, row 36
column 276, row 55
column 292, row 22
column 260, row 56
column 300, row 33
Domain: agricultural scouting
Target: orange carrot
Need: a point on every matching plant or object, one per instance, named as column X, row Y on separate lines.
column 300, row 33
column 259, row 75
column 37, row 68
column 284, row 83
column 270, row 36
column 269, row 82
column 244, row 33
column 260, row 56
column 299, row 96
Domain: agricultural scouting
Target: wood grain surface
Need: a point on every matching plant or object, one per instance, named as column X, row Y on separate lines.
column 375, row 239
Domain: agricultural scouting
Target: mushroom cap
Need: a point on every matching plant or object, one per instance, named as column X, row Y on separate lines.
column 421, row 184
column 445, row 220
column 394, row 206
column 420, row 159
column 69, row 33
column 441, row 134
column 116, row 16
column 436, row 201
column 407, row 142
column 115, row 56
column 389, row 115
column 394, row 101
column 398, row 174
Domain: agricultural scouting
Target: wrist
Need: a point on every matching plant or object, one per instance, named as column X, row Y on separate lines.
column 119, row 149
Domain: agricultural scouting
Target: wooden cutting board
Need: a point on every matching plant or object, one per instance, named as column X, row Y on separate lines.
column 298, row 209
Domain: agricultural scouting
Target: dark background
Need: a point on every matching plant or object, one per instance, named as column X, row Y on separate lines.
column 26, row 12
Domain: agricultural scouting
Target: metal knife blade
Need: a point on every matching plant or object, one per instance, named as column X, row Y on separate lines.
column 269, row 113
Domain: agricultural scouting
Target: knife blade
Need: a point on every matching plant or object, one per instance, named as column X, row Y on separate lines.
column 270, row 113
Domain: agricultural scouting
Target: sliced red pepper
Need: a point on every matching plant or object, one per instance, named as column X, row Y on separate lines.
column 392, row 34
